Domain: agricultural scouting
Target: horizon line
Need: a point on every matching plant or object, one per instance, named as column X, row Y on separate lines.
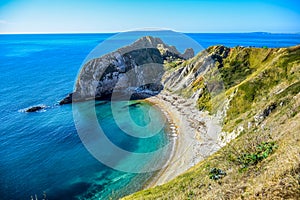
column 58, row 33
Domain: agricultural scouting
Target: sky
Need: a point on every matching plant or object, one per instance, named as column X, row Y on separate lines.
column 108, row 16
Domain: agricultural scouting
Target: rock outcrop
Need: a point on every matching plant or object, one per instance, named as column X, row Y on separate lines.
column 34, row 108
column 188, row 53
column 184, row 77
column 134, row 72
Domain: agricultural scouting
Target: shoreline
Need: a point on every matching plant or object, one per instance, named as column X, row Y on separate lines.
column 172, row 134
column 196, row 135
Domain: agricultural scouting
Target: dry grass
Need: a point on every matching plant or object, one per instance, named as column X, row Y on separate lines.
column 275, row 177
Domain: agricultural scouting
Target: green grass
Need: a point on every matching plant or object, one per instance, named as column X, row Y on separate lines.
column 204, row 100
column 254, row 89
column 263, row 161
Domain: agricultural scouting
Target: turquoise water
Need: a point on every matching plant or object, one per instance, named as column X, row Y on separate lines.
column 42, row 151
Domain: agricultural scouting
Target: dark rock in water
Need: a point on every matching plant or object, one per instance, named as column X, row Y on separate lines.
column 66, row 100
column 134, row 104
column 34, row 108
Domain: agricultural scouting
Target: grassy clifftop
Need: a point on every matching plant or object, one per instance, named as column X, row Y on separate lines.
column 262, row 90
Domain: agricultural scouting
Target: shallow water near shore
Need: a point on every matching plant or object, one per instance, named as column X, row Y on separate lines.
column 42, row 151
column 51, row 158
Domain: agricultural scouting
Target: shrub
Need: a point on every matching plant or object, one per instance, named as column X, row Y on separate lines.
column 216, row 174
column 262, row 151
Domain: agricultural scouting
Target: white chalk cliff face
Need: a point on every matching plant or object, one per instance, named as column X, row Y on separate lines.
column 188, row 72
column 134, row 70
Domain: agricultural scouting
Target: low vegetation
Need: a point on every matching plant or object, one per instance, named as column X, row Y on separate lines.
column 216, row 174
column 262, row 86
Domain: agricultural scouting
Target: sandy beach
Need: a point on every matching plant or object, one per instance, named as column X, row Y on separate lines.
column 196, row 134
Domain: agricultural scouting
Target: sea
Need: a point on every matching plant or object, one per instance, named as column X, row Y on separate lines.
column 41, row 154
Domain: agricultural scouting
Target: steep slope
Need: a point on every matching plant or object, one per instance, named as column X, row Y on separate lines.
column 256, row 93
column 133, row 70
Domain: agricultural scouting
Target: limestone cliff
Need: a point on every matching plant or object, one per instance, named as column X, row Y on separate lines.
column 134, row 71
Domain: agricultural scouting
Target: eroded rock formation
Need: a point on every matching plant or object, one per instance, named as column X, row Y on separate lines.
column 134, row 72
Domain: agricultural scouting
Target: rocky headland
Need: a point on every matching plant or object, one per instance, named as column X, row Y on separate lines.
column 233, row 110
column 135, row 70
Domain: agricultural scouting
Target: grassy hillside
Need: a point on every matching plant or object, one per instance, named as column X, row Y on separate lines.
column 262, row 87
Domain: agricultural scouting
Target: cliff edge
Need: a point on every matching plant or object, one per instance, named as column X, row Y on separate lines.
column 255, row 92
column 134, row 71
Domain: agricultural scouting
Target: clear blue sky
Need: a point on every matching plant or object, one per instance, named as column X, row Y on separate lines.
column 57, row 16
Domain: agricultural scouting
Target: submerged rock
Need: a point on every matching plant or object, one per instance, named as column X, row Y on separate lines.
column 134, row 104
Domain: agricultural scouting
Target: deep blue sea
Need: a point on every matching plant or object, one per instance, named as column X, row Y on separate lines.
column 42, row 152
